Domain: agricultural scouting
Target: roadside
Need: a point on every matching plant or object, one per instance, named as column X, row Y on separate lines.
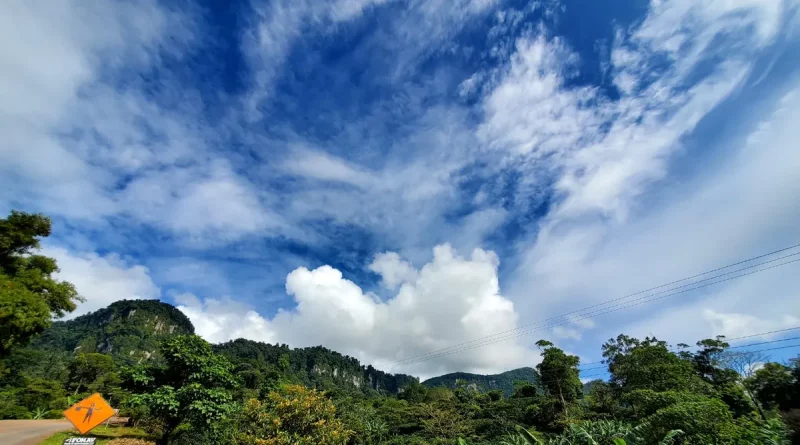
column 30, row 432
column 117, row 434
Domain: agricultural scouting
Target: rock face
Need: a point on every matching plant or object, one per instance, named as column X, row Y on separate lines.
column 131, row 330
column 315, row 366
column 504, row 381
column 128, row 330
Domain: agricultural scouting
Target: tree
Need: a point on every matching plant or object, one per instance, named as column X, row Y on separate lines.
column 193, row 386
column 414, row 392
column 707, row 359
column 703, row 421
column 29, row 295
column 443, row 422
column 709, row 364
column 559, row 374
column 648, row 363
column 293, row 415
column 744, row 363
column 773, row 386
column 93, row 372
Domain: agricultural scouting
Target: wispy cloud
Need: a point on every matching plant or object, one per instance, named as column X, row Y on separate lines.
column 338, row 143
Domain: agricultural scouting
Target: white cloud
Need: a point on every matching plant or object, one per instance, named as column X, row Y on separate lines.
column 319, row 165
column 571, row 328
column 738, row 325
column 602, row 170
column 82, row 144
column 737, row 208
column 449, row 301
column 530, row 112
column 101, row 280
column 79, row 144
column 201, row 201
column 220, row 320
column 566, row 333
column 393, row 269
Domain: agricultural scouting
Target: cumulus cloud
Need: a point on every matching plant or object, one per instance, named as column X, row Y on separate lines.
column 393, row 269
column 450, row 300
column 220, row 320
column 102, row 280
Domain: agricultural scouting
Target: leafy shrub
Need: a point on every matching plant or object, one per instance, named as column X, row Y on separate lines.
column 294, row 415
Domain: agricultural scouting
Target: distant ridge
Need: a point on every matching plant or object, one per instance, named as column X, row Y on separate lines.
column 484, row 383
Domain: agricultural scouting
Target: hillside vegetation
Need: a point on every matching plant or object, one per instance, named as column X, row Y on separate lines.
column 128, row 330
column 143, row 358
column 505, row 381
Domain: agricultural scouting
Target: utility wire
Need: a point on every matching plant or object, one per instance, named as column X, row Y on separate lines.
column 602, row 311
column 729, row 355
column 761, row 334
column 534, row 327
column 413, row 359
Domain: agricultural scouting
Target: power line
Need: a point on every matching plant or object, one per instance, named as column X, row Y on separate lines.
column 414, row 359
column 625, row 305
column 762, row 343
column 760, row 334
column 763, row 333
column 729, row 355
column 602, row 311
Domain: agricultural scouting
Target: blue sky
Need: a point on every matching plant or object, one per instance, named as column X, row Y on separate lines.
column 388, row 178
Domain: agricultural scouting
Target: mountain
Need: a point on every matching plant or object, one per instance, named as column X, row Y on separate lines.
column 314, row 366
column 131, row 330
column 483, row 383
column 128, row 330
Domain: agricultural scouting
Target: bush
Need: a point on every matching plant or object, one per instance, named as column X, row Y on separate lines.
column 294, row 415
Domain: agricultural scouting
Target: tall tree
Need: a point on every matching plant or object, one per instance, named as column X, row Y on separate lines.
column 648, row 363
column 559, row 374
column 29, row 295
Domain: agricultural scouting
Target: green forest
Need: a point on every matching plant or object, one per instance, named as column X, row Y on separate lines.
column 144, row 358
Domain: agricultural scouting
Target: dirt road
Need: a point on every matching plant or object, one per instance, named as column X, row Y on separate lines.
column 30, row 432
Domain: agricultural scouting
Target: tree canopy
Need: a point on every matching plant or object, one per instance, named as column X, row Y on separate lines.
column 29, row 294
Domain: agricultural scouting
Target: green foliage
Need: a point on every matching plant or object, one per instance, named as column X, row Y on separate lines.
column 504, row 382
column 294, row 415
column 92, row 372
column 702, row 421
column 528, row 436
column 316, row 367
column 137, row 355
column 559, row 373
column 648, row 363
column 774, row 386
column 193, row 385
column 29, row 295
column 128, row 330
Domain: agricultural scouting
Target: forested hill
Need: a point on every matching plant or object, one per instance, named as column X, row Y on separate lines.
column 483, row 383
column 128, row 330
column 316, row 366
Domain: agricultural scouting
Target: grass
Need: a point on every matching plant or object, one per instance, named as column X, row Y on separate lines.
column 104, row 434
